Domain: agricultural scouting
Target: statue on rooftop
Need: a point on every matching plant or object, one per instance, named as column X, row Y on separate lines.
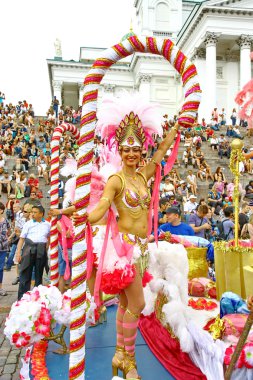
column 57, row 46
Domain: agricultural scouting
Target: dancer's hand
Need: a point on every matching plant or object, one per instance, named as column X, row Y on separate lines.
column 54, row 212
column 250, row 303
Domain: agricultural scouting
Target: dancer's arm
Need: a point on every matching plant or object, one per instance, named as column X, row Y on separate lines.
column 112, row 188
column 149, row 169
column 64, row 211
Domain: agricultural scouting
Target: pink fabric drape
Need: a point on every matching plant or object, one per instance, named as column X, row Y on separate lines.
column 173, row 156
column 90, row 253
column 66, row 225
column 122, row 249
column 154, row 205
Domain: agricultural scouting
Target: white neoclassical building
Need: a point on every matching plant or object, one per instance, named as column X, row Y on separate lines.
column 216, row 35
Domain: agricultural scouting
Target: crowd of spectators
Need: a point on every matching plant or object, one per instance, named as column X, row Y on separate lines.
column 184, row 208
column 25, row 156
column 60, row 114
column 181, row 196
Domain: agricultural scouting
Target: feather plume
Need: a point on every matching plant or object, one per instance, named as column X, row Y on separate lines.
column 113, row 111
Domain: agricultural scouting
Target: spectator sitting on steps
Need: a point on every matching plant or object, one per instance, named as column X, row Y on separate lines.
column 199, row 221
column 33, row 200
column 191, row 204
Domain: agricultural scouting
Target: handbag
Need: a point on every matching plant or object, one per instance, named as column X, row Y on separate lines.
column 245, row 235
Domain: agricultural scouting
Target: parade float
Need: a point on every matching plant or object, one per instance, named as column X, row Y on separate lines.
column 182, row 323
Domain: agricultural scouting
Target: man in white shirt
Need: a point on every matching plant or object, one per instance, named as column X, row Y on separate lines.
column 33, row 241
column 190, row 205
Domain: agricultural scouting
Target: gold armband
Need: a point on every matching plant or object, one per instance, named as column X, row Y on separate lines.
column 175, row 129
column 106, row 199
column 154, row 162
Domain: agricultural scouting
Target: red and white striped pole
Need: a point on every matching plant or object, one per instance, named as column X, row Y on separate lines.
column 54, row 194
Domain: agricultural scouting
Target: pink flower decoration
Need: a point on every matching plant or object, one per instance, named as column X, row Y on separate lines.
column 248, row 355
column 40, row 328
column 21, row 340
column 45, row 316
column 35, row 295
column 228, row 355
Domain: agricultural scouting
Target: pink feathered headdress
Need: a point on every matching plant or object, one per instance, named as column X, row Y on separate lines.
column 115, row 114
column 110, row 164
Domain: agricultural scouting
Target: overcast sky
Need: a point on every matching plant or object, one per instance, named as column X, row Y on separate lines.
column 29, row 29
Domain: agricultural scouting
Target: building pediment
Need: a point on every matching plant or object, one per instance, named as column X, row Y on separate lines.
column 242, row 4
column 215, row 11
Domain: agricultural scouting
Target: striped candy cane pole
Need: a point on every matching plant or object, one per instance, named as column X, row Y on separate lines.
column 54, row 203
column 92, row 81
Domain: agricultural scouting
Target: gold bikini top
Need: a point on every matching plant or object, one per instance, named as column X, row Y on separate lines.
column 131, row 200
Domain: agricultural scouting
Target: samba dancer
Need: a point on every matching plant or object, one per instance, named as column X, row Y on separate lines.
column 126, row 258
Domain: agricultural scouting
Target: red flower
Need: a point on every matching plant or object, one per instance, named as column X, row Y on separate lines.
column 45, row 316
column 41, row 328
column 20, row 340
column 228, row 354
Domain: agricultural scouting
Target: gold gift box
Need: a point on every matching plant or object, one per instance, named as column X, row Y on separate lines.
column 229, row 268
column 198, row 266
column 248, row 279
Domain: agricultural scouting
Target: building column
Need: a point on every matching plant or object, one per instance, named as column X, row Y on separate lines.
column 245, row 42
column 144, row 81
column 57, row 89
column 81, row 92
column 199, row 59
column 210, row 79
